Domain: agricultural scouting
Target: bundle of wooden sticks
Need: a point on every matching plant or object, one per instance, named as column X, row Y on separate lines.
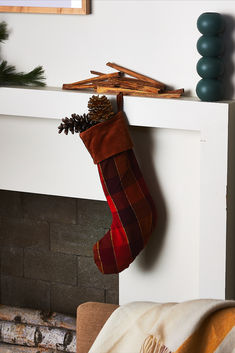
column 116, row 82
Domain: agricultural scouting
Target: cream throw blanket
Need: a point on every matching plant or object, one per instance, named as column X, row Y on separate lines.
column 198, row 326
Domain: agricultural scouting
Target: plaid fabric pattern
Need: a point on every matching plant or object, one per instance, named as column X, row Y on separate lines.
column 132, row 209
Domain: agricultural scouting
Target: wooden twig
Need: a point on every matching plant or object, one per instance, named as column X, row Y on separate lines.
column 128, row 85
column 169, row 95
column 96, row 73
column 137, row 93
column 114, row 83
column 136, row 75
column 79, row 87
column 91, row 80
column 135, row 81
column 181, row 91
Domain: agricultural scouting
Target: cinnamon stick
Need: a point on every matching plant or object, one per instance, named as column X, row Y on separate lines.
column 136, row 75
column 93, row 79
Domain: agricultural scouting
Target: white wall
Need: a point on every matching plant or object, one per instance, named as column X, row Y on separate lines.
column 157, row 38
column 168, row 269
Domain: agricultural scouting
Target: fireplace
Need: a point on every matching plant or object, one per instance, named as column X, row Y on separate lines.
column 46, row 252
column 186, row 151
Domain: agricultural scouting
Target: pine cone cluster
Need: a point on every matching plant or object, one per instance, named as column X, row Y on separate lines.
column 100, row 108
column 75, row 124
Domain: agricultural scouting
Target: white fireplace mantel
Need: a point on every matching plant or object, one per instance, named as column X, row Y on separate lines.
column 55, row 103
column 183, row 140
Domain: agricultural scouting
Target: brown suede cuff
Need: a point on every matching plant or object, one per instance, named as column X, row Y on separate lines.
column 108, row 138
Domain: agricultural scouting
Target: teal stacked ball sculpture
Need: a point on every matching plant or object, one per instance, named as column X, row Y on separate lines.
column 211, row 47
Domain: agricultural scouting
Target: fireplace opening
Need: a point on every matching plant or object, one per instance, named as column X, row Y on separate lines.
column 47, row 268
column 46, row 252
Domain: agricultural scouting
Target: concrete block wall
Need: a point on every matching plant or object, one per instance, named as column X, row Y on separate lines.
column 46, row 252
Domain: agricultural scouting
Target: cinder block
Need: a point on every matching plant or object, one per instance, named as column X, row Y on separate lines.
column 49, row 208
column 24, row 233
column 93, row 212
column 12, row 261
column 90, row 276
column 50, row 266
column 111, row 296
column 65, row 299
column 10, row 204
column 75, row 239
column 25, row 293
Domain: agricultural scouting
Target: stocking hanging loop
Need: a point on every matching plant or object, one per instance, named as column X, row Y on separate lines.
column 120, row 102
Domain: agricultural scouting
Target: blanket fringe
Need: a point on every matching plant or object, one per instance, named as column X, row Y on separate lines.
column 153, row 345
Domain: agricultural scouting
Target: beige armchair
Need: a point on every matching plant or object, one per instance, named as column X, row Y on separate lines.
column 91, row 317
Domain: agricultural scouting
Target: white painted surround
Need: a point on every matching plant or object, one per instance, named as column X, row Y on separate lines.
column 186, row 151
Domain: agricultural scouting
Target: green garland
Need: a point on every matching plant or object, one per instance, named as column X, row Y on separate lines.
column 8, row 74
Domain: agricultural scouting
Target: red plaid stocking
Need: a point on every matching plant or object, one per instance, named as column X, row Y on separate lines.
column 127, row 195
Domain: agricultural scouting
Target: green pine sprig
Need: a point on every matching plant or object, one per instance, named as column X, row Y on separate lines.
column 8, row 74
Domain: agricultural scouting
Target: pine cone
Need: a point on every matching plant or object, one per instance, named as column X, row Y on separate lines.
column 75, row 124
column 100, row 108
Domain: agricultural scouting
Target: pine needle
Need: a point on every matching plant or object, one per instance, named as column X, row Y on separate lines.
column 3, row 31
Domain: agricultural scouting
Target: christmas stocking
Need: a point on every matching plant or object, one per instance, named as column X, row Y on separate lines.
column 127, row 195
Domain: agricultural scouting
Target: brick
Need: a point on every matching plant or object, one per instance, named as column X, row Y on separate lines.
column 24, row 292
column 74, row 239
column 111, row 296
column 49, row 208
column 24, row 233
column 65, row 299
column 10, row 204
column 50, row 266
column 12, row 261
column 93, row 212
column 90, row 276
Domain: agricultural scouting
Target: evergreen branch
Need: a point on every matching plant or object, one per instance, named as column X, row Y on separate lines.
column 3, row 31
column 9, row 76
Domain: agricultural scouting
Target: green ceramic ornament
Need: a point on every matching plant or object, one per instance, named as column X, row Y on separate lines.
column 209, row 90
column 210, row 67
column 210, row 46
column 210, row 23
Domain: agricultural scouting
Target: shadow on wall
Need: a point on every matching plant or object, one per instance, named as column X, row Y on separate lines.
column 230, row 258
column 228, row 56
column 144, row 145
